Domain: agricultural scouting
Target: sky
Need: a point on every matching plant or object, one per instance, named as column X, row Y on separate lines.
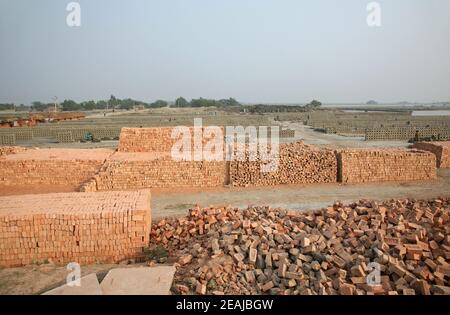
column 268, row 51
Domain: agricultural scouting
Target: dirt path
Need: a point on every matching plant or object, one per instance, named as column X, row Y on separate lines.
column 309, row 136
column 296, row 197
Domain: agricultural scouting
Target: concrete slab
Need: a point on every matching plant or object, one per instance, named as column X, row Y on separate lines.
column 140, row 281
column 89, row 286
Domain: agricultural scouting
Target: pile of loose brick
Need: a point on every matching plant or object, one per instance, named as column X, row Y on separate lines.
column 440, row 149
column 369, row 165
column 68, row 167
column 298, row 164
column 73, row 227
column 330, row 251
column 11, row 150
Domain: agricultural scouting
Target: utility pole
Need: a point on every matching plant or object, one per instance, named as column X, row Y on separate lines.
column 55, row 100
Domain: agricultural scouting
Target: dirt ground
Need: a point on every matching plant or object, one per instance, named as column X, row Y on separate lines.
column 296, row 197
column 309, row 136
column 37, row 279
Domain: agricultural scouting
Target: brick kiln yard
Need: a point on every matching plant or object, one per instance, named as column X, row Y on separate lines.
column 220, row 249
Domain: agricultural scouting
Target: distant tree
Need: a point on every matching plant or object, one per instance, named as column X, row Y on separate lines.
column 229, row 102
column 6, row 106
column 158, row 104
column 101, row 105
column 22, row 108
column 314, row 104
column 372, row 102
column 89, row 105
column 126, row 104
column 203, row 102
column 69, row 105
column 113, row 102
column 181, row 102
column 38, row 106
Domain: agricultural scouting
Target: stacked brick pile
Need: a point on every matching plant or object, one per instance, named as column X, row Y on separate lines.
column 330, row 251
column 150, row 139
column 73, row 227
column 378, row 165
column 66, row 167
column 440, row 149
column 298, row 164
column 125, row 171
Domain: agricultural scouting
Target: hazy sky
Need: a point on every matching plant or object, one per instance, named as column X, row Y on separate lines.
column 253, row 50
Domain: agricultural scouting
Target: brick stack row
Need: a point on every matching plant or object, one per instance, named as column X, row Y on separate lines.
column 73, row 227
column 298, row 164
column 440, row 149
column 124, row 171
column 155, row 139
column 378, row 165
column 66, row 167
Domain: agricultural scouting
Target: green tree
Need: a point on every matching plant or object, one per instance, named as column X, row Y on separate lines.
column 89, row 105
column 113, row 102
column 181, row 102
column 22, row 108
column 229, row 102
column 101, row 105
column 127, row 104
column 69, row 106
column 314, row 104
column 203, row 102
column 159, row 104
column 6, row 106
column 38, row 106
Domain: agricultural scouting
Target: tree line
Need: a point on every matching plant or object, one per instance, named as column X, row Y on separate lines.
column 128, row 104
column 123, row 104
